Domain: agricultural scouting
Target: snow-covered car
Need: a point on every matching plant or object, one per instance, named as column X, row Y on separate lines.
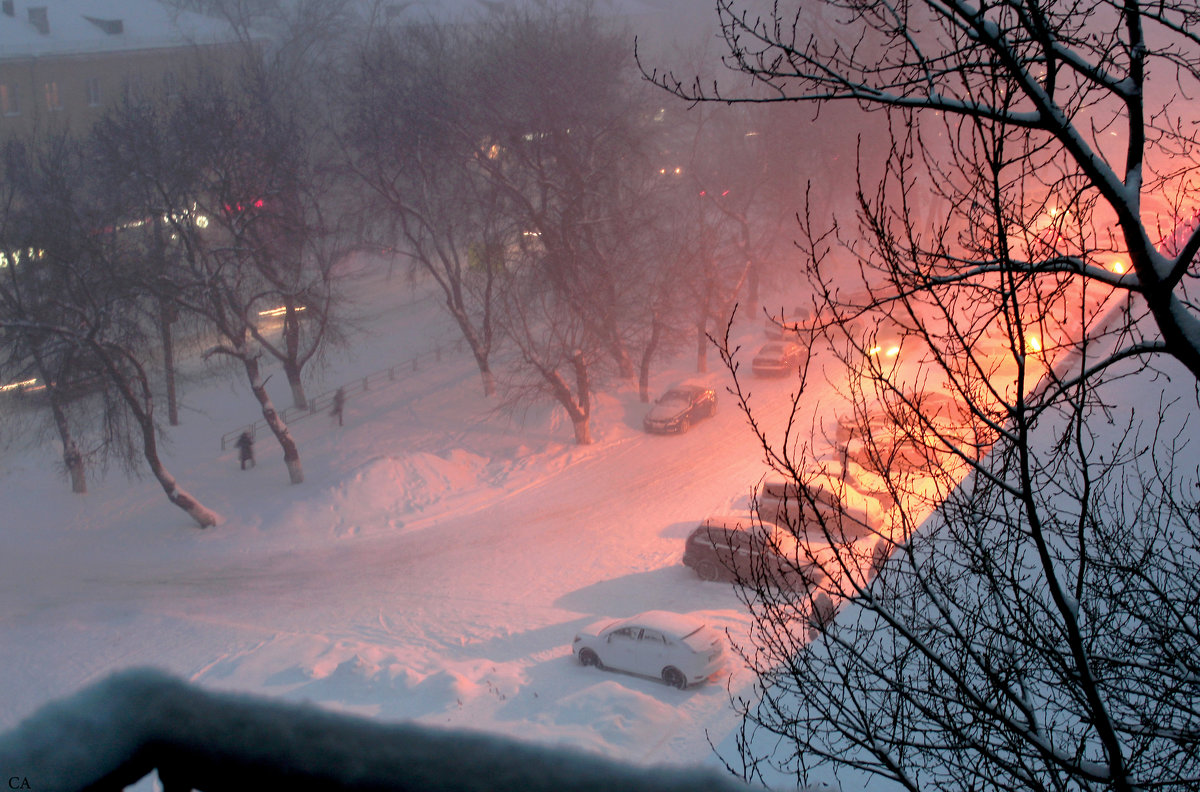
column 680, row 649
column 776, row 359
column 799, row 323
column 680, row 407
column 745, row 549
column 901, row 439
column 830, row 508
column 884, row 339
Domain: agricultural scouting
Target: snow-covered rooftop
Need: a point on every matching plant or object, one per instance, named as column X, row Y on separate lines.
column 42, row 28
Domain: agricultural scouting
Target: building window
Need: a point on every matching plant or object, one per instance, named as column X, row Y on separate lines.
column 10, row 100
column 52, row 100
column 93, row 91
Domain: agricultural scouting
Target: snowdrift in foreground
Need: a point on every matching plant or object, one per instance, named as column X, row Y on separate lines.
column 117, row 731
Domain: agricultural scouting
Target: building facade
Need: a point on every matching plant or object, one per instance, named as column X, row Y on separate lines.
column 62, row 62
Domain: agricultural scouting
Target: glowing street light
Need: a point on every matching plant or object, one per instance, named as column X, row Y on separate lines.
column 280, row 311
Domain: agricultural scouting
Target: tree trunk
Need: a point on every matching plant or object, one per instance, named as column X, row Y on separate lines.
column 166, row 316
column 578, row 408
column 752, row 285
column 618, row 349
column 479, row 350
column 291, row 364
column 141, row 406
column 479, row 342
column 203, row 516
column 583, row 387
column 292, row 370
column 702, row 327
column 75, row 468
column 624, row 362
column 647, row 356
column 291, row 455
column 72, row 459
column 583, row 432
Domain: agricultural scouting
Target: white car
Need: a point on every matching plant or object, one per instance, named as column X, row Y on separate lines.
column 776, row 359
column 677, row 648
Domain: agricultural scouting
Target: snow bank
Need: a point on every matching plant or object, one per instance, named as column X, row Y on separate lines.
column 382, row 492
column 609, row 717
column 116, row 731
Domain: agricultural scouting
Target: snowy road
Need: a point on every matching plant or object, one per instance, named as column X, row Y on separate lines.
column 435, row 566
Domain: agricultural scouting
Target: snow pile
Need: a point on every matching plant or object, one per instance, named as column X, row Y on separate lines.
column 376, row 681
column 384, row 491
column 610, row 718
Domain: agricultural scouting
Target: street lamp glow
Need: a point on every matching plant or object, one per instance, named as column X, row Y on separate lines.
column 29, row 383
column 279, row 311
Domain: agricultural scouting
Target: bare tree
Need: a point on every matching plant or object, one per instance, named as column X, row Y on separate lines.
column 240, row 190
column 748, row 164
column 412, row 140
column 133, row 154
column 677, row 248
column 567, row 143
column 35, row 361
column 73, row 296
column 557, row 359
column 1026, row 243
column 1062, row 81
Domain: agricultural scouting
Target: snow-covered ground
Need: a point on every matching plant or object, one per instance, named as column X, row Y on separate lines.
column 434, row 566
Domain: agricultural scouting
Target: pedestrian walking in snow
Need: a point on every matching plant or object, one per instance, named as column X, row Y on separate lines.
column 245, row 446
column 339, row 404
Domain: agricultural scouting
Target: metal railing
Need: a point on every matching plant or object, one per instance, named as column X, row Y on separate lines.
column 116, row 732
column 323, row 402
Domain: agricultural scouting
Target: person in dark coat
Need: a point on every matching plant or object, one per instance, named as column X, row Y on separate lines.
column 339, row 405
column 245, row 446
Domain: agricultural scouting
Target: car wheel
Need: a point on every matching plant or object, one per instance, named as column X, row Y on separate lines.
column 712, row 408
column 589, row 658
column 707, row 570
column 674, row 677
column 684, row 425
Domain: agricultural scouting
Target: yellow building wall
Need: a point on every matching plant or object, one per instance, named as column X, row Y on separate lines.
column 70, row 92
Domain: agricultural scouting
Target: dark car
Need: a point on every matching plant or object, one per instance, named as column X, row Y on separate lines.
column 798, row 324
column 681, row 406
column 776, row 359
column 741, row 548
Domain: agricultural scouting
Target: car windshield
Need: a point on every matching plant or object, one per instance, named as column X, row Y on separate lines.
column 676, row 395
column 699, row 639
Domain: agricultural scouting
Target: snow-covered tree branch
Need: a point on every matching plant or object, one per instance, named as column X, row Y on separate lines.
column 989, row 512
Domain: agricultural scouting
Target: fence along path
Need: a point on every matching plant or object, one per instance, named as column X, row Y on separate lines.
column 322, row 402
